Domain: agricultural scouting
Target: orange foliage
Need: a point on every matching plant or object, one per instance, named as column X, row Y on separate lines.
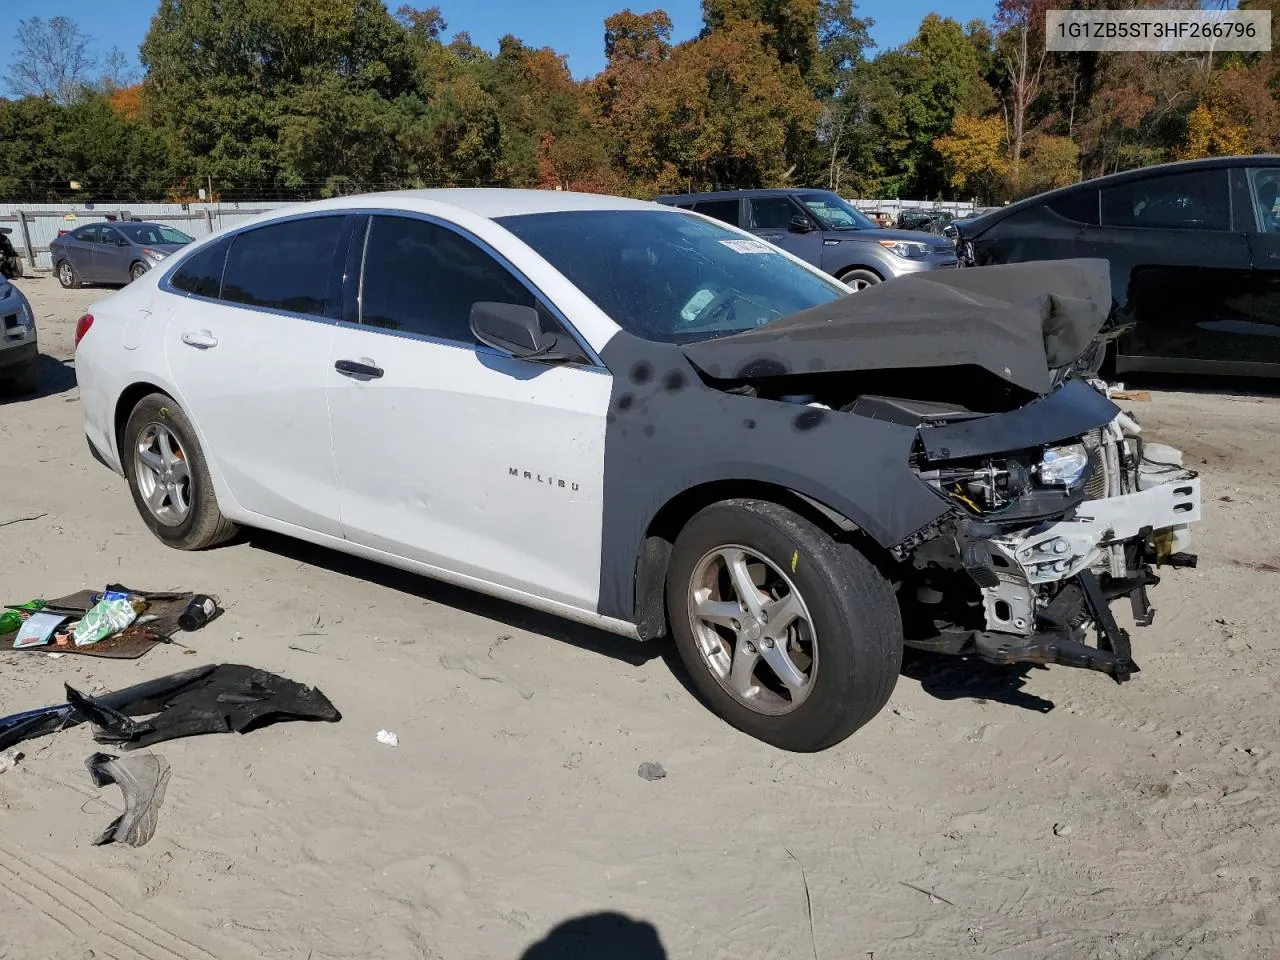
column 127, row 102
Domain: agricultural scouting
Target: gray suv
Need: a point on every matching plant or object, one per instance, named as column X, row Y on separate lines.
column 819, row 227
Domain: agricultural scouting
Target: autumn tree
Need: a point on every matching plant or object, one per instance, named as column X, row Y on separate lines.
column 721, row 110
column 788, row 28
column 976, row 157
column 1021, row 54
column 905, row 99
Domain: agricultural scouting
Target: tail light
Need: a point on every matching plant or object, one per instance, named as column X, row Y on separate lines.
column 82, row 327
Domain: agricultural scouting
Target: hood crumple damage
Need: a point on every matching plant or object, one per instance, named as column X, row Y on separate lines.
column 995, row 335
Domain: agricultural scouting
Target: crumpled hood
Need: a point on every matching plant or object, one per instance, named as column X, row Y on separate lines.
column 1018, row 321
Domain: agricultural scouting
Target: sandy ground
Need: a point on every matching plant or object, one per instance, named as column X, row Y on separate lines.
column 987, row 812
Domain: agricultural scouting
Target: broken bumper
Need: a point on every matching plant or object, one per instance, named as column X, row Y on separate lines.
column 1044, row 588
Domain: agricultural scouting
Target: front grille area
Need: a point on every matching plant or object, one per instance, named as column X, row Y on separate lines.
column 1096, row 487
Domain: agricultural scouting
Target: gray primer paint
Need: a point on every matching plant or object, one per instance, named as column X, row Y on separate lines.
column 668, row 432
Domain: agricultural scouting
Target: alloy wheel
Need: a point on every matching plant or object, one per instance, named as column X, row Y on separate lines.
column 164, row 478
column 753, row 630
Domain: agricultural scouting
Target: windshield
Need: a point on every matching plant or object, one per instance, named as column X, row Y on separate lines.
column 152, row 233
column 670, row 276
column 834, row 214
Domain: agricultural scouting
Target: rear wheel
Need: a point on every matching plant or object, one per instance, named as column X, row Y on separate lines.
column 169, row 478
column 67, row 275
column 137, row 270
column 790, row 636
column 860, row 278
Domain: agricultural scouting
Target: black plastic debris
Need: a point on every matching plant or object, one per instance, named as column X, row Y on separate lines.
column 220, row 698
column 142, row 778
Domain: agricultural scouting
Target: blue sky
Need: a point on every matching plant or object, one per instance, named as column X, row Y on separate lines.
column 573, row 27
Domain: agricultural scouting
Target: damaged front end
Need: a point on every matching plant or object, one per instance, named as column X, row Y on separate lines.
column 1043, row 538
column 1050, row 503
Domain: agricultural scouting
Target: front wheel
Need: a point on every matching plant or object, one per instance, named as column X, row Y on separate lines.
column 137, row 270
column 789, row 635
column 169, row 478
column 860, row 279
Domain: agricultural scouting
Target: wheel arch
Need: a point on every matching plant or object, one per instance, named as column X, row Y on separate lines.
column 654, row 555
column 849, row 268
column 125, row 403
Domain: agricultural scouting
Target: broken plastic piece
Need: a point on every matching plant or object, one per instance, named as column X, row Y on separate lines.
column 142, row 779
column 220, row 698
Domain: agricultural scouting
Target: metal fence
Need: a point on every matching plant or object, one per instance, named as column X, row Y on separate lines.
column 957, row 208
column 34, row 225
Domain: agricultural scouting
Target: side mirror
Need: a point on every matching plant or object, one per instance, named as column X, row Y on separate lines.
column 517, row 330
column 511, row 328
column 801, row 223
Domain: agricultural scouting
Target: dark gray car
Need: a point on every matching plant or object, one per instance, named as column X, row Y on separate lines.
column 112, row 252
column 822, row 229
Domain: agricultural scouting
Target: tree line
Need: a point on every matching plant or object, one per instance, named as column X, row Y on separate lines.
column 265, row 99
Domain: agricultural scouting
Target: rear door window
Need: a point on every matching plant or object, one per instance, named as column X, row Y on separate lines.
column 420, row 277
column 1195, row 200
column 287, row 266
column 200, row 275
column 87, row 234
column 772, row 213
column 726, row 211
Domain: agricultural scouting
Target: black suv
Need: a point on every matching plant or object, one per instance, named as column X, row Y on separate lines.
column 1194, row 249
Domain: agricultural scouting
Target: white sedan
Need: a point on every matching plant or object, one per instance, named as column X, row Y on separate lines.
column 593, row 407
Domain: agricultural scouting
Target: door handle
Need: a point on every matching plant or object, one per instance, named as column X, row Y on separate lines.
column 200, row 339
column 358, row 369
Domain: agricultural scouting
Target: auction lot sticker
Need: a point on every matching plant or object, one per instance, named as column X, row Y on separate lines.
column 1158, row 31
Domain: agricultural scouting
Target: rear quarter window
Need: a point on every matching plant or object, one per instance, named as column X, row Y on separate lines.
column 726, row 211
column 200, row 275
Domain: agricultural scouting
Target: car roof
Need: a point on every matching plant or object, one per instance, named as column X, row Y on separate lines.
column 488, row 202
column 1180, row 166
column 739, row 194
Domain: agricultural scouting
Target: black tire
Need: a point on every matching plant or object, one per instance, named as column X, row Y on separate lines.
column 67, row 275
column 856, row 623
column 860, row 278
column 137, row 270
column 204, row 525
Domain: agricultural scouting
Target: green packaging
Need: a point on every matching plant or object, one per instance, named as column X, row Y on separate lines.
column 11, row 620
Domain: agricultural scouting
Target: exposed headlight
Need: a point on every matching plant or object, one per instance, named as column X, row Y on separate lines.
column 155, row 256
column 907, row 249
column 1063, row 466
